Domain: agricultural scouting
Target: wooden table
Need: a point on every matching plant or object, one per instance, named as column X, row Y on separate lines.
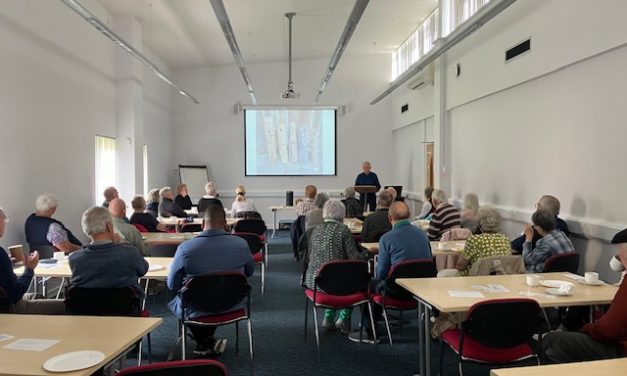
column 178, row 223
column 437, row 248
column 432, row 293
column 274, row 210
column 110, row 335
column 354, row 224
column 169, row 238
column 611, row 367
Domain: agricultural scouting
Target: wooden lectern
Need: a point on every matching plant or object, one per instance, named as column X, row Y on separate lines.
column 364, row 190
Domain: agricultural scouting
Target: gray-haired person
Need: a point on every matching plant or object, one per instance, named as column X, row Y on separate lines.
column 314, row 216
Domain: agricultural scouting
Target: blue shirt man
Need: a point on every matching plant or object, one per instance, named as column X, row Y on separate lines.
column 214, row 250
column 367, row 177
column 404, row 242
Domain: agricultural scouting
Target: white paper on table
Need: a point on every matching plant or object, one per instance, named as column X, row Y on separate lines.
column 31, row 344
column 4, row 337
column 574, row 276
column 46, row 265
column 466, row 294
column 536, row 294
column 491, row 288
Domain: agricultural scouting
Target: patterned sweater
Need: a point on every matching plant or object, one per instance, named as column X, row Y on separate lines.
column 485, row 245
column 445, row 217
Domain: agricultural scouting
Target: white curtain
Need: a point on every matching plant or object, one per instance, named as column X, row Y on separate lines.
column 105, row 165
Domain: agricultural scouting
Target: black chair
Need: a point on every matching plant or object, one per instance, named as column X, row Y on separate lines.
column 496, row 332
column 303, row 252
column 563, row 262
column 6, row 306
column 256, row 247
column 162, row 250
column 247, row 214
column 196, row 367
column 255, row 226
column 396, row 298
column 339, row 284
column 123, row 301
column 45, row 251
column 219, row 293
column 297, row 230
column 191, row 227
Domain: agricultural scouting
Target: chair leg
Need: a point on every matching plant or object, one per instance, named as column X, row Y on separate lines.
column 250, row 344
column 442, row 349
column 183, row 341
column 374, row 328
column 149, row 348
column 306, row 314
column 60, row 287
column 546, row 318
column 266, row 252
column 387, row 327
column 237, row 337
column 263, row 277
column 315, row 317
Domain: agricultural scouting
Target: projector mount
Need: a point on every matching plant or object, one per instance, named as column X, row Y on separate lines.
column 290, row 93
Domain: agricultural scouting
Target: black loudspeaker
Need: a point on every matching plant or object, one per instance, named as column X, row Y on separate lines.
column 289, row 198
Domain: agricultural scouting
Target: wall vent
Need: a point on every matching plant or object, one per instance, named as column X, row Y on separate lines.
column 404, row 108
column 517, row 50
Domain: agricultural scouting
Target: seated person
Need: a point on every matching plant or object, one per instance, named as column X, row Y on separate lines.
column 403, row 243
column 552, row 241
column 182, row 198
column 109, row 193
column 167, row 206
column 331, row 240
column 214, row 250
column 490, row 242
column 307, row 204
column 140, row 217
column 353, row 207
column 468, row 216
column 445, row 217
column 551, row 204
column 15, row 287
column 314, row 217
column 427, row 207
column 105, row 262
column 604, row 339
column 211, row 198
column 152, row 202
column 241, row 203
column 377, row 223
column 43, row 230
column 393, row 192
column 127, row 232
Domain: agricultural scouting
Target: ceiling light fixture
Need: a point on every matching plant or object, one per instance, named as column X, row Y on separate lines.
column 109, row 33
column 223, row 19
column 351, row 24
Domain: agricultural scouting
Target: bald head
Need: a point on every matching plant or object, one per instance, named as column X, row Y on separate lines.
column 399, row 211
column 117, row 207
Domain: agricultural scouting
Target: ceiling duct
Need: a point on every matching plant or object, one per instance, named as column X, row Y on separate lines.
column 109, row 33
column 289, row 93
column 483, row 15
column 351, row 24
column 223, row 19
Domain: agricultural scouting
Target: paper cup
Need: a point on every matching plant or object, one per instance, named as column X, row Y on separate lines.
column 58, row 255
column 533, row 280
column 17, row 252
column 591, row 277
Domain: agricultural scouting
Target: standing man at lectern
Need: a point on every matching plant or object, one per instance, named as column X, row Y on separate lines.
column 368, row 177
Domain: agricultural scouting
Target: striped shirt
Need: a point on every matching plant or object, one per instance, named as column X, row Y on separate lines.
column 554, row 243
column 445, row 217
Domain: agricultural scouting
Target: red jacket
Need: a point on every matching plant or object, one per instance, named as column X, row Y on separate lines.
column 612, row 327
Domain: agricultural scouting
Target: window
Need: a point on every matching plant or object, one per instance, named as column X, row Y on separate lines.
column 105, row 165
column 457, row 12
column 419, row 43
column 145, row 164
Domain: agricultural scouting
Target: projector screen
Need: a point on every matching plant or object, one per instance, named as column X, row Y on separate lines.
column 290, row 141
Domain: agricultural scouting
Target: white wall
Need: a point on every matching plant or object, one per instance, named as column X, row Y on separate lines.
column 212, row 134
column 58, row 91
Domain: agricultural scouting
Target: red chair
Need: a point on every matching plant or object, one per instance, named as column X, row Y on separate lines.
column 256, row 249
column 222, row 293
column 339, row 284
column 396, row 298
column 200, row 367
column 563, row 262
column 139, row 227
column 255, row 226
column 497, row 332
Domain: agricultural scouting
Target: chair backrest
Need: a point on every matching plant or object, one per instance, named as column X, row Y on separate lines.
column 191, row 227
column 456, row 234
column 162, row 250
column 247, row 214
column 123, row 301
column 408, row 269
column 195, row 367
column 563, row 262
column 503, row 323
column 343, row 277
column 215, row 292
column 140, row 228
column 6, row 306
column 498, row 265
column 45, row 251
column 256, row 226
column 253, row 240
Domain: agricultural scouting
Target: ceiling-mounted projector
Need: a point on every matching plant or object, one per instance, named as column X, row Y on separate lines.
column 290, row 93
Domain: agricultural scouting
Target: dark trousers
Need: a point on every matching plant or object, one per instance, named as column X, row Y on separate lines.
column 376, row 287
column 372, row 201
column 566, row 347
column 203, row 334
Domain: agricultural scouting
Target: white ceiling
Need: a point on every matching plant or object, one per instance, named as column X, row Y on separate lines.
column 185, row 33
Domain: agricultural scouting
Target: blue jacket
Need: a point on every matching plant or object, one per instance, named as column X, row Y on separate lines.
column 404, row 242
column 13, row 286
column 370, row 179
column 211, row 251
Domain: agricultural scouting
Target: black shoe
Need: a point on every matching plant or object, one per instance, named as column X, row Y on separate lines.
column 366, row 337
column 211, row 348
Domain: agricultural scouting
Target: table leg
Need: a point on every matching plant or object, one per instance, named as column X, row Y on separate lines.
column 427, row 342
column 421, row 336
column 273, row 223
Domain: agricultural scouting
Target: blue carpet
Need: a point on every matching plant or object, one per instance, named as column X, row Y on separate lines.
column 278, row 324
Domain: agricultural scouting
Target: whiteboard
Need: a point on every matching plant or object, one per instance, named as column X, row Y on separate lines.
column 195, row 177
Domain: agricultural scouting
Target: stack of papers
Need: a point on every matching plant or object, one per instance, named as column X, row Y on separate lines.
column 465, row 294
column 491, row 288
